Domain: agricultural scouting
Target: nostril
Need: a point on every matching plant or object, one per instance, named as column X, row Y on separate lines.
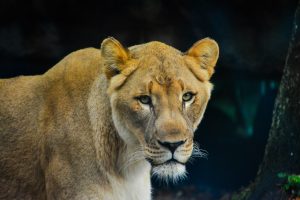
column 172, row 146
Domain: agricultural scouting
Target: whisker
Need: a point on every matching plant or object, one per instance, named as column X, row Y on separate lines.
column 199, row 153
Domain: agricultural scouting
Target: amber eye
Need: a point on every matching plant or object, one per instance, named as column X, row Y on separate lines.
column 187, row 96
column 144, row 99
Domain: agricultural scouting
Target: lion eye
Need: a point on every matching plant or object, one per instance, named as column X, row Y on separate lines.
column 187, row 96
column 144, row 99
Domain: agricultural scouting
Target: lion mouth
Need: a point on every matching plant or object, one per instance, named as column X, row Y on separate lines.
column 171, row 161
column 168, row 162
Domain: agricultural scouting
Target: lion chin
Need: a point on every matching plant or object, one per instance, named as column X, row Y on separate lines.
column 170, row 171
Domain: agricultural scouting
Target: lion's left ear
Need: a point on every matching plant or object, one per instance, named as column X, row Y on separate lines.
column 114, row 56
column 206, row 54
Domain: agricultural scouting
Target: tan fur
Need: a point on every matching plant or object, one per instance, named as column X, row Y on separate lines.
column 79, row 132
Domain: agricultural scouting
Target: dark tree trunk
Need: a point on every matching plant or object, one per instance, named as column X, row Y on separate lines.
column 282, row 153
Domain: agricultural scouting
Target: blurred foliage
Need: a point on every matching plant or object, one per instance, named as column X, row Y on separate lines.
column 242, row 105
column 291, row 184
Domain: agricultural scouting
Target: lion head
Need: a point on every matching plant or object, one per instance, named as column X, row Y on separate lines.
column 158, row 96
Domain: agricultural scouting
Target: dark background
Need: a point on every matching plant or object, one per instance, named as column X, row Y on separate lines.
column 253, row 38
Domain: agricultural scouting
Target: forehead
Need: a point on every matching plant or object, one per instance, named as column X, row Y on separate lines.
column 165, row 71
column 163, row 64
column 171, row 65
column 158, row 58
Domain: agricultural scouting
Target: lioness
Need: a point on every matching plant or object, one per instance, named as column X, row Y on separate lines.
column 96, row 124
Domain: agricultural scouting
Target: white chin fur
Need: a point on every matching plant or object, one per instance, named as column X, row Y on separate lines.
column 171, row 172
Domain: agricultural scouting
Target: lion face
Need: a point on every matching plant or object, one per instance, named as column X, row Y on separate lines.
column 158, row 96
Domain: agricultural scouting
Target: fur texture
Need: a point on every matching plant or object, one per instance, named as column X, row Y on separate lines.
column 81, row 130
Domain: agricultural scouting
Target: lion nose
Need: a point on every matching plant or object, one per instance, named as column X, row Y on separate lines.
column 172, row 146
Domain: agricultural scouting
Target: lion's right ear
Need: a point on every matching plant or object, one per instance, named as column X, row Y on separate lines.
column 114, row 56
column 206, row 53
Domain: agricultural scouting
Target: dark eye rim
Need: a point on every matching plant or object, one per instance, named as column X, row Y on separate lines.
column 192, row 95
column 140, row 99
